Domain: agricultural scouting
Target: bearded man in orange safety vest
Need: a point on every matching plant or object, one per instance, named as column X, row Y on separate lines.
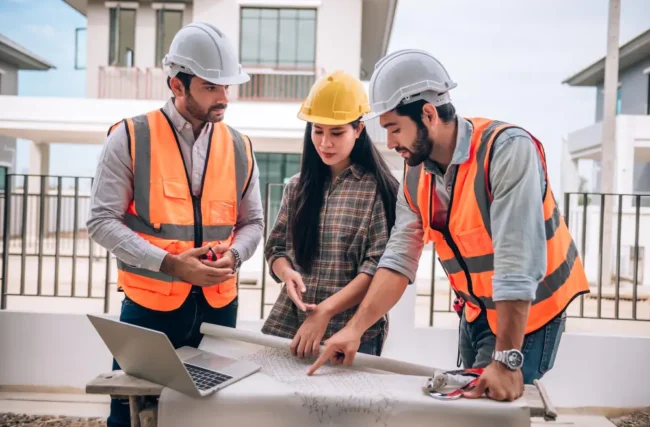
column 479, row 190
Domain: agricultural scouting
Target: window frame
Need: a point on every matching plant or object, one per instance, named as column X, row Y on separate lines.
column 160, row 50
column 296, row 63
column 114, row 38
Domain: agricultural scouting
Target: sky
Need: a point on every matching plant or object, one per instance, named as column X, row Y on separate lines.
column 509, row 58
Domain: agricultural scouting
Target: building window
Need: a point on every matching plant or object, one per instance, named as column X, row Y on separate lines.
column 122, row 37
column 169, row 22
column 648, row 112
column 279, row 38
column 3, row 171
column 275, row 168
column 618, row 100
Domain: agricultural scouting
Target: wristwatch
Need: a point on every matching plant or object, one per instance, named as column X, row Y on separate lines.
column 513, row 359
column 237, row 258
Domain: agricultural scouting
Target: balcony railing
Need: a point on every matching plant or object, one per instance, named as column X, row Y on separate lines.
column 277, row 85
column 132, row 83
column 151, row 83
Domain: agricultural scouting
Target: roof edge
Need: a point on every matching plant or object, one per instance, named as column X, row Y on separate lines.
column 584, row 76
column 82, row 9
column 22, row 58
column 390, row 21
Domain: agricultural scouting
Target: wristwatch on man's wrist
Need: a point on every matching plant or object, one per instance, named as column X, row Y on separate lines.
column 235, row 254
column 512, row 359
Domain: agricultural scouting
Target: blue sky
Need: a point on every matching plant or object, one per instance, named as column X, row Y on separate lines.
column 509, row 58
column 49, row 32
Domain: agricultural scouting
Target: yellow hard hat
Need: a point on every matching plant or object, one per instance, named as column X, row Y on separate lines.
column 336, row 98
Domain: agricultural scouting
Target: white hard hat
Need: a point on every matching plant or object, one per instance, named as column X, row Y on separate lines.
column 205, row 51
column 406, row 76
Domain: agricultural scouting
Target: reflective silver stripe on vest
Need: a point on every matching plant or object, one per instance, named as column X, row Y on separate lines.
column 411, row 182
column 241, row 163
column 554, row 281
column 477, row 264
column 487, row 301
column 551, row 225
column 547, row 287
column 156, row 275
column 142, row 169
column 142, row 188
column 184, row 233
column 480, row 186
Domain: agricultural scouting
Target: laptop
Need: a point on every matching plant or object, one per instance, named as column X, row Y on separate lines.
column 148, row 354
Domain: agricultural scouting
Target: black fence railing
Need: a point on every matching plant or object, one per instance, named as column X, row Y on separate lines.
column 623, row 293
column 46, row 250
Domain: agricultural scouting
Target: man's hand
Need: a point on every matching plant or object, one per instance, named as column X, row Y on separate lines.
column 307, row 340
column 498, row 383
column 225, row 258
column 339, row 349
column 295, row 288
column 188, row 267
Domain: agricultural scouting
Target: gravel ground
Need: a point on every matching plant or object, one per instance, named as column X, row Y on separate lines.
column 20, row 420
column 635, row 419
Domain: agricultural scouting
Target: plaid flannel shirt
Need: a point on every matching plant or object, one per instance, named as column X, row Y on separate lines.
column 353, row 236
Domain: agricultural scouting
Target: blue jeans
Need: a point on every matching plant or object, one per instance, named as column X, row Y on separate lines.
column 373, row 346
column 477, row 343
column 182, row 326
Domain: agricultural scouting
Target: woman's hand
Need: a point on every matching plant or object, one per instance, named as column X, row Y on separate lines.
column 311, row 332
column 295, row 288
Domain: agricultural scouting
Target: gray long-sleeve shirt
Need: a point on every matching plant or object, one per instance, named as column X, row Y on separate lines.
column 113, row 191
column 516, row 215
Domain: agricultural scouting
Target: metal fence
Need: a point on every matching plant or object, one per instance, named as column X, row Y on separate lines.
column 45, row 245
column 46, row 251
column 624, row 293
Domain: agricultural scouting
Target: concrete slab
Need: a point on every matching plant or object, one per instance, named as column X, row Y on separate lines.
column 573, row 421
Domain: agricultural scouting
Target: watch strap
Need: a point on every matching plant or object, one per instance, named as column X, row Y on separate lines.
column 235, row 254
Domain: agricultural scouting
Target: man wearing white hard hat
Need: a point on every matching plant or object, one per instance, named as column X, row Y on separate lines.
column 479, row 190
column 176, row 199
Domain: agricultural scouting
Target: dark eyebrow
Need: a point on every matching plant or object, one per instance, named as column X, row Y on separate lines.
column 387, row 125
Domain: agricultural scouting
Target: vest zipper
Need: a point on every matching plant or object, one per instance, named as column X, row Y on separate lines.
column 198, row 221
column 450, row 241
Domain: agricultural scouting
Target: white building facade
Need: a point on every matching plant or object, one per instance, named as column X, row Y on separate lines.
column 582, row 151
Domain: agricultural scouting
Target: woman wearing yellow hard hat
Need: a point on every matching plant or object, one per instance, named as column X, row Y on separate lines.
column 334, row 222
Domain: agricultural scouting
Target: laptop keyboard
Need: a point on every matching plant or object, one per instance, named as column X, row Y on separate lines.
column 204, row 378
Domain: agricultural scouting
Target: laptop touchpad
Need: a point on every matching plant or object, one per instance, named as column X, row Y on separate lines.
column 210, row 361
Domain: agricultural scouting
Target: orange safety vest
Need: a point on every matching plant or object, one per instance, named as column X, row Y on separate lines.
column 465, row 245
column 166, row 213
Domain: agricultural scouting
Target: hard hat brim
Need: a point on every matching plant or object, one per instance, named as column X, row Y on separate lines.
column 323, row 120
column 227, row 81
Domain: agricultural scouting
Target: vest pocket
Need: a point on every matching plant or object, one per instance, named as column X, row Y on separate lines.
column 474, row 242
column 222, row 212
column 175, row 190
column 163, row 287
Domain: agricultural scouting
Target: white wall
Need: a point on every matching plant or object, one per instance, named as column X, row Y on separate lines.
column 63, row 350
column 145, row 36
column 97, row 40
column 338, row 36
column 340, row 49
column 224, row 14
column 98, row 36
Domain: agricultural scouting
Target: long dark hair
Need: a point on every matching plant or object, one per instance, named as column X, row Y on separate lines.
column 310, row 190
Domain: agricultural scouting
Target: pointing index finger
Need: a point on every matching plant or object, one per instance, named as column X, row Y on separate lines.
column 324, row 356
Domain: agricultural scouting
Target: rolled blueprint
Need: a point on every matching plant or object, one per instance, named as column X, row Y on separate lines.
column 360, row 360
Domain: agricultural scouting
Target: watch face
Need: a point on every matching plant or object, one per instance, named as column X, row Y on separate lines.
column 515, row 359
